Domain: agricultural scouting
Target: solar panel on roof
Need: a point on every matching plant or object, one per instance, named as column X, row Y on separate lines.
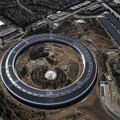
column 19, row 87
column 57, row 95
column 69, row 92
column 112, row 19
column 23, row 90
column 63, row 93
column 41, row 95
column 29, row 92
column 114, row 33
column 35, row 94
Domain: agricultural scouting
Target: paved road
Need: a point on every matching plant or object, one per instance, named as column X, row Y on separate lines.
column 111, row 10
column 111, row 108
column 24, row 7
column 70, row 14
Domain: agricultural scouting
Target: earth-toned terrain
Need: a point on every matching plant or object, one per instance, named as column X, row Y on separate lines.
column 34, row 63
column 98, row 41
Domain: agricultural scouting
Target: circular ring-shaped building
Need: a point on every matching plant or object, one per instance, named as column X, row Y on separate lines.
column 47, row 98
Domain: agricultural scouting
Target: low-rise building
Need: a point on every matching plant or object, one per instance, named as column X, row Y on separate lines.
column 80, row 21
column 80, row 5
column 94, row 7
column 7, row 31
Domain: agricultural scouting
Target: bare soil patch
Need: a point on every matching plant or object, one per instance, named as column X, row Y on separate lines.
column 40, row 58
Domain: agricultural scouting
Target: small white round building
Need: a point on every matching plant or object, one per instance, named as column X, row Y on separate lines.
column 117, row 1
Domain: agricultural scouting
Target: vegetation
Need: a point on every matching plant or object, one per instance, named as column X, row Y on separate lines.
column 96, row 26
column 43, row 29
column 64, row 27
column 68, row 82
column 102, row 61
column 51, row 61
column 23, row 72
column 115, row 74
column 103, row 78
column 10, row 110
column 115, row 7
column 38, row 54
column 38, row 77
column 52, row 4
column 11, row 10
column 19, row 16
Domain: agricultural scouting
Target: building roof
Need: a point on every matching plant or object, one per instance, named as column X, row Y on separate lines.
column 7, row 31
column 80, row 21
column 94, row 7
column 1, row 23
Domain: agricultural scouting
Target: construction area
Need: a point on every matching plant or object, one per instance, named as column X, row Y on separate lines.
column 99, row 42
column 34, row 63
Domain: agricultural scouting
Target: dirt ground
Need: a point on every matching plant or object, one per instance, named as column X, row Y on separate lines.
column 89, row 108
column 65, row 56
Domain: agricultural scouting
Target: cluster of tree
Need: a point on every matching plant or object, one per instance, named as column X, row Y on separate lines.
column 53, row 4
column 23, row 72
column 43, row 29
column 38, row 54
column 38, row 77
column 51, row 61
column 19, row 16
column 64, row 27
column 103, row 58
column 96, row 26
column 115, row 74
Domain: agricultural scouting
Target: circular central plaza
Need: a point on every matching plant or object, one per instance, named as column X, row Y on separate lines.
column 49, row 98
column 49, row 65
